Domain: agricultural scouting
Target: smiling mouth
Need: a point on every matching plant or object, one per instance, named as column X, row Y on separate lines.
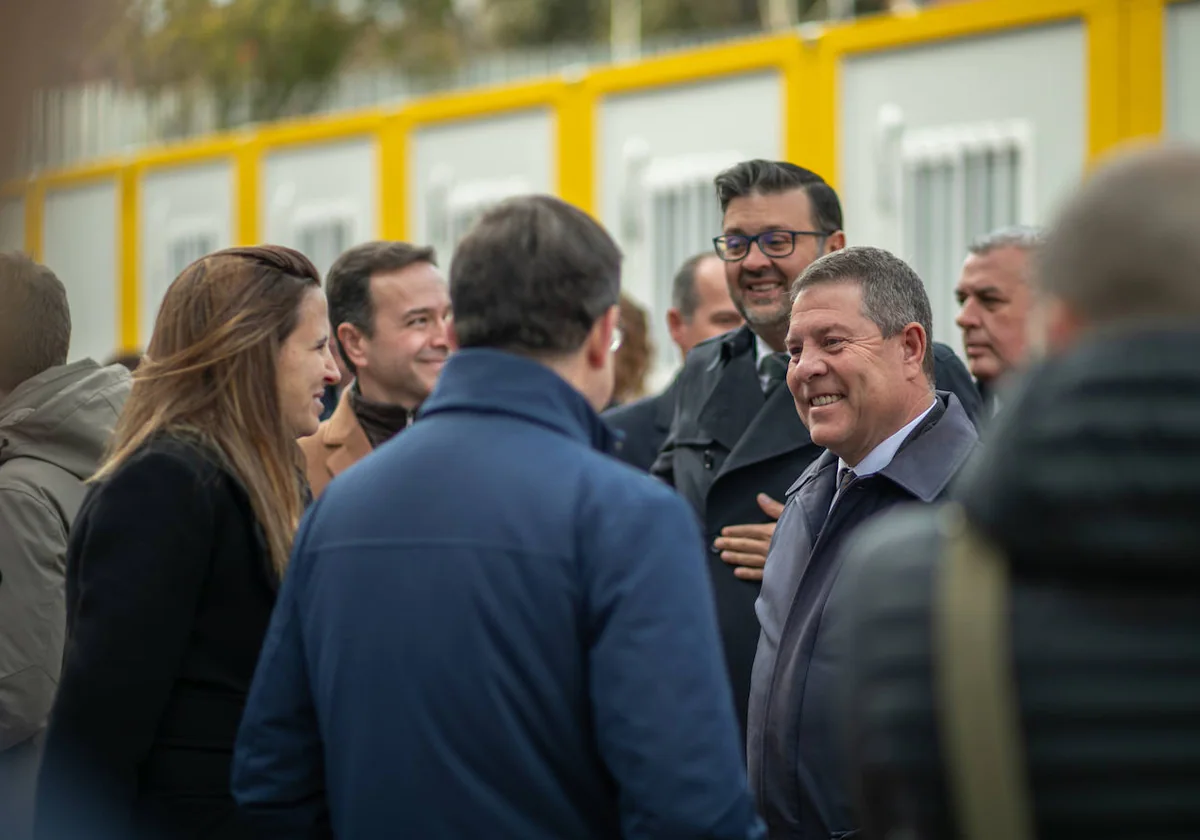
column 764, row 286
column 825, row 399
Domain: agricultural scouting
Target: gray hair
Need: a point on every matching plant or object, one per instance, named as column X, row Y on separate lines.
column 1125, row 246
column 893, row 295
column 684, row 295
column 1024, row 237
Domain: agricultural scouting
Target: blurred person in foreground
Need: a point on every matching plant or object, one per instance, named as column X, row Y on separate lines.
column 736, row 442
column 861, row 378
column 520, row 643
column 55, row 421
column 1058, row 604
column 994, row 295
column 700, row 309
column 178, row 550
column 389, row 308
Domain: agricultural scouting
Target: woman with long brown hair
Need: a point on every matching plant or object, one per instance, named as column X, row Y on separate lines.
column 177, row 552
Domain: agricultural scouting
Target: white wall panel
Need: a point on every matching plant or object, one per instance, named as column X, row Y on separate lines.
column 459, row 168
column 80, row 245
column 186, row 212
column 1183, row 70
column 12, row 224
column 658, row 152
column 321, row 198
column 1033, row 79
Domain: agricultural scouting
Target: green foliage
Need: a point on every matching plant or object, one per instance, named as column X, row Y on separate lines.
column 536, row 22
column 263, row 59
column 272, row 57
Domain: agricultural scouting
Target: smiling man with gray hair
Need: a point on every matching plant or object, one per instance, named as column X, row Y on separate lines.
column 861, row 374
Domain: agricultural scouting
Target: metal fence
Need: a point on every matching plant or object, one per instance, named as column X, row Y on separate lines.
column 98, row 120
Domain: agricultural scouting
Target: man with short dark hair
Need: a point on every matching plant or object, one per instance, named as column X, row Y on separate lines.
column 861, row 380
column 55, row 421
column 700, row 309
column 389, row 309
column 994, row 299
column 736, row 443
column 1042, row 634
column 491, row 628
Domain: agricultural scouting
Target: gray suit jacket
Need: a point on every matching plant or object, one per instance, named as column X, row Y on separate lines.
column 795, row 759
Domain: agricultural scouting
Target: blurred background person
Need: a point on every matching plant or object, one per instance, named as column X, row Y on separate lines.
column 1069, row 571
column 55, row 421
column 390, row 309
column 700, row 309
column 634, row 355
column 994, row 299
column 177, row 553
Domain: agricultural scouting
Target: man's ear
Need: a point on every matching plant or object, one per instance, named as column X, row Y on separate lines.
column 675, row 325
column 451, row 335
column 916, row 341
column 836, row 241
column 352, row 341
column 599, row 340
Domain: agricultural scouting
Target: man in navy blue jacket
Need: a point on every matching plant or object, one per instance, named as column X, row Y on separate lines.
column 490, row 627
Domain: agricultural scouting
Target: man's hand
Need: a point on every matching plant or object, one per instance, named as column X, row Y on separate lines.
column 745, row 546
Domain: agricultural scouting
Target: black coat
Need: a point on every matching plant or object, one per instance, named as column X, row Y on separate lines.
column 643, row 426
column 169, row 591
column 729, row 443
column 1090, row 486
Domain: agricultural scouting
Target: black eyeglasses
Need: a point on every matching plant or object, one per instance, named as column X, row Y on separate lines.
column 773, row 243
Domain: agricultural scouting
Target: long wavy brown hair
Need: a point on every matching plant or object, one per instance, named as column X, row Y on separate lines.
column 209, row 374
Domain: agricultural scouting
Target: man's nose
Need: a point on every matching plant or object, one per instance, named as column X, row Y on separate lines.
column 968, row 316
column 755, row 259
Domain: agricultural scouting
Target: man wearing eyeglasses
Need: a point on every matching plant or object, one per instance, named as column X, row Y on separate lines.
column 736, row 442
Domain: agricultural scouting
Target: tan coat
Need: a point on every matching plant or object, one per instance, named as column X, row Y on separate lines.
column 338, row 444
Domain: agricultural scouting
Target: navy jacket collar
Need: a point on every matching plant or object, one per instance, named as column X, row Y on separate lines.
column 493, row 382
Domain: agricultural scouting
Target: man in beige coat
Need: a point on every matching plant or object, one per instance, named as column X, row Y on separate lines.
column 55, row 422
column 389, row 307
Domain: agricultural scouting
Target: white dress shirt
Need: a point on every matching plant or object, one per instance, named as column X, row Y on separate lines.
column 882, row 455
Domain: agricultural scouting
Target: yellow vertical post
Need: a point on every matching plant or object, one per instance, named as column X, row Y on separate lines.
column 1144, row 24
column 393, row 180
column 1105, row 94
column 35, row 209
column 247, row 165
column 575, row 145
column 811, row 110
column 128, row 257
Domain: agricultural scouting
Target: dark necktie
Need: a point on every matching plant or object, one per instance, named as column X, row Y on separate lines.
column 775, row 367
column 845, row 476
